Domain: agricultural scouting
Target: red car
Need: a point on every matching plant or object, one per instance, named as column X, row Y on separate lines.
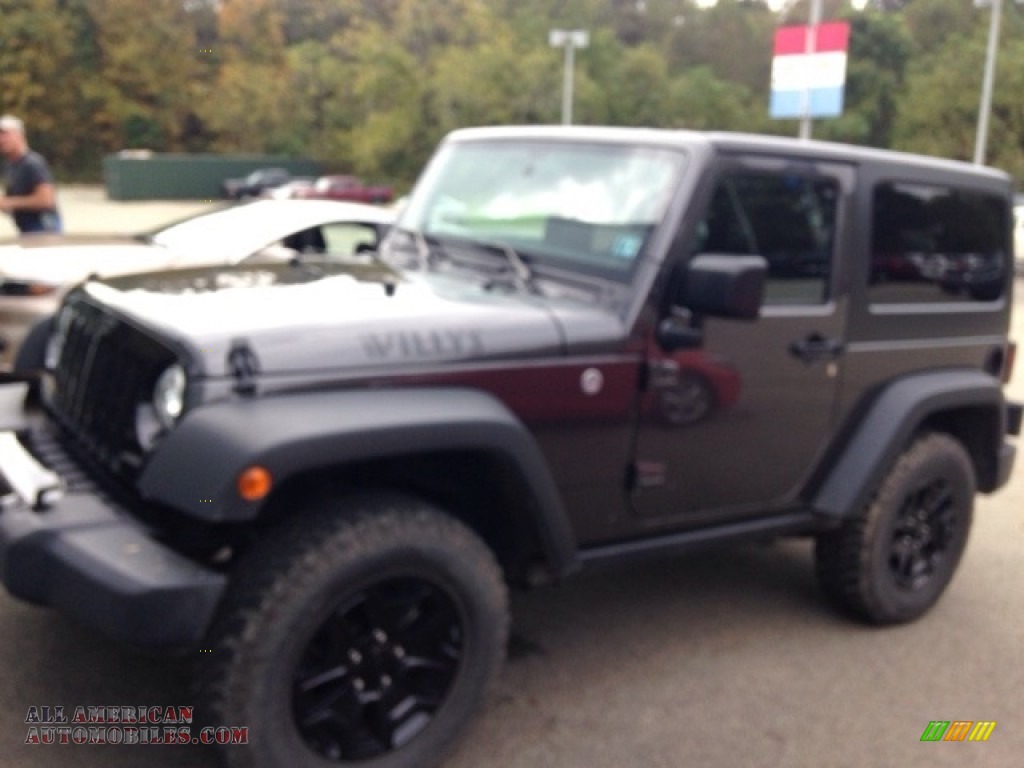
column 345, row 188
column 689, row 385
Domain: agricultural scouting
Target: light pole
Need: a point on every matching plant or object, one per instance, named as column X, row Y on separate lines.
column 570, row 39
column 981, row 137
column 985, row 109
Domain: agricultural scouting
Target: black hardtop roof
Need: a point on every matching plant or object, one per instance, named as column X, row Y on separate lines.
column 730, row 142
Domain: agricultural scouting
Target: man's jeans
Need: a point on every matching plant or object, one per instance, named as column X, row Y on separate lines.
column 47, row 222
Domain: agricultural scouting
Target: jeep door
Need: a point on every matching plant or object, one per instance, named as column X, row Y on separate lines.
column 734, row 426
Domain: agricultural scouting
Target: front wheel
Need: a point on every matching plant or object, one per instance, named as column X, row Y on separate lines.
column 894, row 561
column 365, row 636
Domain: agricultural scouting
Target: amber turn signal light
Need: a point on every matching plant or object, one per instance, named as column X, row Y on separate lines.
column 254, row 483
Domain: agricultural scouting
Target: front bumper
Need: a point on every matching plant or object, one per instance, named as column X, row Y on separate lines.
column 88, row 558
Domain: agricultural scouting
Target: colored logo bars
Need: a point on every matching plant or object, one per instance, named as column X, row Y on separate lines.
column 958, row 730
column 809, row 70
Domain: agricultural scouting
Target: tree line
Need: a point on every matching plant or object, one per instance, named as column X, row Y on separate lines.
column 370, row 86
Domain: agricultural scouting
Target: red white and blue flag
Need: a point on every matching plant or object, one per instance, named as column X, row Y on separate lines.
column 809, row 70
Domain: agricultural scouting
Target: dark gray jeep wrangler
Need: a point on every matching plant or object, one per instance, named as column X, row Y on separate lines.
column 577, row 345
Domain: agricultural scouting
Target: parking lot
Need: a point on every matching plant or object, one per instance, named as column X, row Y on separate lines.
column 86, row 209
column 724, row 658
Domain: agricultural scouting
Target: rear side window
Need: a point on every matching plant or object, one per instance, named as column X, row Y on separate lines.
column 935, row 244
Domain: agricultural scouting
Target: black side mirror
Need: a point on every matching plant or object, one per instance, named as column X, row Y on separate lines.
column 721, row 285
column 712, row 285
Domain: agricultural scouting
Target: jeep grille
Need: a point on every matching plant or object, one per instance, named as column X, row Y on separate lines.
column 106, row 368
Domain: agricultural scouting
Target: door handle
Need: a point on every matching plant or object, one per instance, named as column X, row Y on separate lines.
column 815, row 347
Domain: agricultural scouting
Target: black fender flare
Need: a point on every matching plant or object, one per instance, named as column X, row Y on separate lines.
column 849, row 480
column 196, row 466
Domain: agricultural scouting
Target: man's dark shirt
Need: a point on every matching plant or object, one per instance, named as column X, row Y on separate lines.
column 21, row 178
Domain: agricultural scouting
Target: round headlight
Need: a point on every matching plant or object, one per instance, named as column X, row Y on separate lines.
column 169, row 395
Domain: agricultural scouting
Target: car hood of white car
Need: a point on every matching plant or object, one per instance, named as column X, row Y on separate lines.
column 62, row 260
column 226, row 236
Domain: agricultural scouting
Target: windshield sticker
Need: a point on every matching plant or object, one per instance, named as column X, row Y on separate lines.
column 626, row 247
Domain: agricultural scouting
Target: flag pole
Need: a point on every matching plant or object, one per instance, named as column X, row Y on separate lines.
column 812, row 44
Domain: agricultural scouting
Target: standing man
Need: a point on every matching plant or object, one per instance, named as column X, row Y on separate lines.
column 29, row 193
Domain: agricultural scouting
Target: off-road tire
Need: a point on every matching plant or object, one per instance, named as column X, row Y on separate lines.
column 893, row 562
column 380, row 596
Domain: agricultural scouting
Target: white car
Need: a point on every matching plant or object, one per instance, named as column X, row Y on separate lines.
column 37, row 270
column 287, row 191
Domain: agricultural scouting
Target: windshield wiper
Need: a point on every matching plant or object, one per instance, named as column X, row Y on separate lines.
column 429, row 246
column 521, row 274
column 423, row 252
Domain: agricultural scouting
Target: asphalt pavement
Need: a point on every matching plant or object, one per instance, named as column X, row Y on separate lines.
column 725, row 658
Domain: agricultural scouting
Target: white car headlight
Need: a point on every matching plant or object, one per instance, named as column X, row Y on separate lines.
column 169, row 395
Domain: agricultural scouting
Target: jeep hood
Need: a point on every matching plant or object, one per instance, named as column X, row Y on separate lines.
column 322, row 315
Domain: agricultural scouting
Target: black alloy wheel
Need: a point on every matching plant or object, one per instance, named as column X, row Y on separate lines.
column 925, row 529
column 377, row 670
column 892, row 563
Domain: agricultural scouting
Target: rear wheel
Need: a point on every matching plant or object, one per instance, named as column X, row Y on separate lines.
column 368, row 639
column 892, row 563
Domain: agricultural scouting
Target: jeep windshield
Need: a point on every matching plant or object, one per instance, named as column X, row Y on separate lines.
column 589, row 206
